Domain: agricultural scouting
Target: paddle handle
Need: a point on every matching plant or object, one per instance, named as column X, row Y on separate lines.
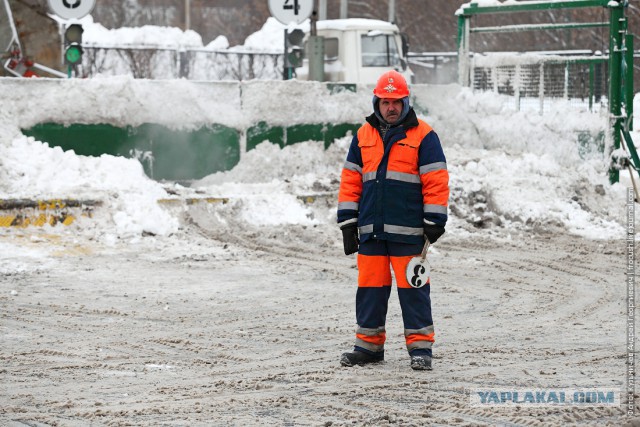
column 425, row 249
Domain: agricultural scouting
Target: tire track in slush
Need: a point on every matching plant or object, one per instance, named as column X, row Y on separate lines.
column 192, row 343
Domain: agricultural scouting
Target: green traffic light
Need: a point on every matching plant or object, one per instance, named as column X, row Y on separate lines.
column 294, row 60
column 293, row 45
column 295, row 57
column 73, row 54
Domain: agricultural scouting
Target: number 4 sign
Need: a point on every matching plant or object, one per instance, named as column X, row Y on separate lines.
column 71, row 9
column 288, row 11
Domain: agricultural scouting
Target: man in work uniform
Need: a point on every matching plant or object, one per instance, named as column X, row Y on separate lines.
column 394, row 193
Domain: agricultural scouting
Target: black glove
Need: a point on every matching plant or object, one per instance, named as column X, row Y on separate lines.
column 350, row 238
column 433, row 232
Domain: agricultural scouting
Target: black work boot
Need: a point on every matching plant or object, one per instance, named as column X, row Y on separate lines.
column 421, row 363
column 359, row 358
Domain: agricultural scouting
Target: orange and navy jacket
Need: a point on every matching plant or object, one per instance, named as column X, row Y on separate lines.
column 392, row 187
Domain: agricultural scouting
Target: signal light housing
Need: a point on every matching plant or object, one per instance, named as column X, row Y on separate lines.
column 73, row 44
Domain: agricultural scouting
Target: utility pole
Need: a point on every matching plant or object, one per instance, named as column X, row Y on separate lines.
column 392, row 11
column 315, row 46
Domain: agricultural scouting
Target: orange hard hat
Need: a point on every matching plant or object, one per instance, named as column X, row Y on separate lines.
column 391, row 85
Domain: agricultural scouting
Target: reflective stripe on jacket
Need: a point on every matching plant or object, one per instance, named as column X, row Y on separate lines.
column 392, row 187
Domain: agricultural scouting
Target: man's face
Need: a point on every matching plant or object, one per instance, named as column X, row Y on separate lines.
column 390, row 109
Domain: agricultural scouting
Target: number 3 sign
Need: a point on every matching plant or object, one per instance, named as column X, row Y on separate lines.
column 287, row 11
column 71, row 9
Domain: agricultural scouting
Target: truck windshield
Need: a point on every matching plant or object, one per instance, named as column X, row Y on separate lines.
column 379, row 51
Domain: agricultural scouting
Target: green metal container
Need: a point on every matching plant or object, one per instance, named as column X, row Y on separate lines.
column 165, row 154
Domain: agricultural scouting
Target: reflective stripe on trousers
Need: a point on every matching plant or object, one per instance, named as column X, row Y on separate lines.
column 375, row 260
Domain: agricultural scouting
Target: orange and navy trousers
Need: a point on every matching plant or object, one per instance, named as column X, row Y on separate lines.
column 375, row 260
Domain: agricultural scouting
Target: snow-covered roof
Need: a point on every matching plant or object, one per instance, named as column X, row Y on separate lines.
column 356, row 24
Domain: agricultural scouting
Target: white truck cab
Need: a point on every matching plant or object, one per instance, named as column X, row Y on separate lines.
column 360, row 50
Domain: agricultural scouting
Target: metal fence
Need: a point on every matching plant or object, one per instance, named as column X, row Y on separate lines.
column 199, row 64
column 535, row 81
column 192, row 64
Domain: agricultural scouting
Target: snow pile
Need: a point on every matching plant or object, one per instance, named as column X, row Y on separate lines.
column 104, row 58
column 120, row 101
column 488, row 120
column 220, row 42
column 18, row 258
column 269, row 38
column 150, row 36
column 303, row 164
column 267, row 182
column 33, row 169
column 299, row 102
column 492, row 188
column 524, row 167
column 509, row 170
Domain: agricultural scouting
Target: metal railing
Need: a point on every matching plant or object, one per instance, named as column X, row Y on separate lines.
column 200, row 64
column 534, row 81
column 193, row 64
column 577, row 76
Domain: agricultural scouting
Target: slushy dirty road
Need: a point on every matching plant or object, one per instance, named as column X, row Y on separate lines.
column 246, row 328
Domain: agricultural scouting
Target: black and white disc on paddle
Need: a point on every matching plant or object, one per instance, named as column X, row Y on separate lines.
column 418, row 269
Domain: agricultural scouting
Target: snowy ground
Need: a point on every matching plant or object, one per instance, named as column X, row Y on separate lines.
column 245, row 327
column 236, row 313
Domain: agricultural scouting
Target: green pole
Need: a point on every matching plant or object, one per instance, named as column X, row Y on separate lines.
column 628, row 80
column 615, row 69
column 475, row 9
column 460, row 31
column 459, row 42
column 632, row 151
column 463, row 50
